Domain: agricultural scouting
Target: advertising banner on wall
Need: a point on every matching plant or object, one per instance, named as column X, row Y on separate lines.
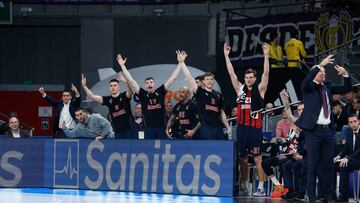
column 157, row 166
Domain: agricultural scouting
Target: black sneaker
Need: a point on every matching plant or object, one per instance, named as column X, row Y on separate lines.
column 342, row 199
column 300, row 196
column 289, row 195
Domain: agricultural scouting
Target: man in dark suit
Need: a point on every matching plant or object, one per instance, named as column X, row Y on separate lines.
column 65, row 110
column 318, row 127
column 340, row 116
column 349, row 158
column 14, row 129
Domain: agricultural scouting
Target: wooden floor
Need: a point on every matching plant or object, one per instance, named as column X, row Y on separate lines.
column 45, row 195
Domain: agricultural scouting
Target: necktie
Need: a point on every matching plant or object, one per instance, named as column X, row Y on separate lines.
column 324, row 101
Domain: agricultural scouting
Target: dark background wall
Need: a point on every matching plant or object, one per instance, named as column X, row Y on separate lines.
column 154, row 40
column 41, row 51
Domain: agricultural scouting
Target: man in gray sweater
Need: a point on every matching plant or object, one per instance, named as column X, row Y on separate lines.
column 90, row 126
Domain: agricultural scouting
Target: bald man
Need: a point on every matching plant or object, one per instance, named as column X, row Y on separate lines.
column 184, row 121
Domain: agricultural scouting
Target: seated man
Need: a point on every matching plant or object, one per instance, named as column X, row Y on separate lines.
column 15, row 131
column 340, row 116
column 90, row 126
column 349, row 158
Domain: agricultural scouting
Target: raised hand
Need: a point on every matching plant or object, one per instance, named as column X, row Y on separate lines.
column 83, row 80
column 227, row 49
column 328, row 60
column 120, row 60
column 285, row 94
column 266, row 49
column 181, row 56
column 73, row 88
column 341, row 71
column 42, row 91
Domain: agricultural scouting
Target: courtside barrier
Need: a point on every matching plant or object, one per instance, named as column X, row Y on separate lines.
column 158, row 166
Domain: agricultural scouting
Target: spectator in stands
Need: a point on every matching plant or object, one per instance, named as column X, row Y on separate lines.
column 276, row 55
column 340, row 116
column 90, row 126
column 356, row 107
column 270, row 106
column 283, row 126
column 151, row 99
column 168, row 110
column 118, row 105
column 14, row 129
column 138, row 118
column 288, row 150
column 234, row 116
column 65, row 109
column 184, row 121
column 295, row 50
column 250, row 101
column 294, row 170
column 349, row 102
column 200, row 80
column 210, row 102
column 349, row 158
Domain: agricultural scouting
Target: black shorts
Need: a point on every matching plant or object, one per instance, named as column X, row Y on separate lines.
column 248, row 140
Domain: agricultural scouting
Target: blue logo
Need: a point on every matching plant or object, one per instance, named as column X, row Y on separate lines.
column 66, row 163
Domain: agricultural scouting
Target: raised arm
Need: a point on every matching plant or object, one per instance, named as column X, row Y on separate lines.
column 265, row 76
column 128, row 88
column 181, row 58
column 89, row 93
column 49, row 99
column 306, row 84
column 132, row 83
column 234, row 79
column 77, row 100
column 75, row 90
column 173, row 76
column 347, row 86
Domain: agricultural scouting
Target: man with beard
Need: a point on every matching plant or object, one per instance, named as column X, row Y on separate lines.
column 185, row 116
column 90, row 126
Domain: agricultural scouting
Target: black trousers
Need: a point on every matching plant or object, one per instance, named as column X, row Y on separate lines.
column 320, row 144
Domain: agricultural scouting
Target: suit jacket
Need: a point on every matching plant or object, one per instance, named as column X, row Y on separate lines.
column 311, row 96
column 59, row 104
column 23, row 134
column 348, row 150
column 341, row 120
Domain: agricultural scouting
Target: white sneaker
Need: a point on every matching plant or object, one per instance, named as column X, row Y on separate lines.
column 259, row 193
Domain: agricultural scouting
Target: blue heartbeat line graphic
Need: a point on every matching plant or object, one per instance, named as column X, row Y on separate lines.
column 68, row 167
